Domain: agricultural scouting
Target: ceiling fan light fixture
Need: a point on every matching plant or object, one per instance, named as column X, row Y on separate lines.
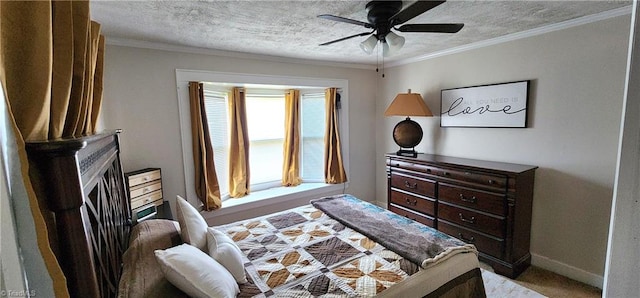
column 369, row 44
column 382, row 16
column 394, row 41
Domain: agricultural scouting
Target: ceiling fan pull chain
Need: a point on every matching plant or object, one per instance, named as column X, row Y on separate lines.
column 377, row 58
column 382, row 63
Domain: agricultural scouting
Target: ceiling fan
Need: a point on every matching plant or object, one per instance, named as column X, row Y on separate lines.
column 386, row 15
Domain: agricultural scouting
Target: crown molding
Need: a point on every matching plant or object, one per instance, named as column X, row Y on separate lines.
column 519, row 35
column 132, row 43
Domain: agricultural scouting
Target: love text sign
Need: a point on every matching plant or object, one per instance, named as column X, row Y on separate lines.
column 497, row 105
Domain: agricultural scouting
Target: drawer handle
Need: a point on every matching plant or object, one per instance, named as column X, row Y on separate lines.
column 471, row 221
column 491, row 181
column 471, row 200
column 145, row 178
column 145, row 190
column 429, row 171
column 409, row 185
column 415, row 201
column 447, row 174
column 468, row 240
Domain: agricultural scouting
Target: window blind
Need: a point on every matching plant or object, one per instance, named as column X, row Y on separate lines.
column 312, row 116
column 217, row 110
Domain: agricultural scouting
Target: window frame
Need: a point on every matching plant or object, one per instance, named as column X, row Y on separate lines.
column 184, row 76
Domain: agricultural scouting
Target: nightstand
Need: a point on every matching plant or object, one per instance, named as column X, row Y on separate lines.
column 145, row 191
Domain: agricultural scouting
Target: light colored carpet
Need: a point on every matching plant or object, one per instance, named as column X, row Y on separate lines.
column 499, row 286
column 555, row 285
column 537, row 281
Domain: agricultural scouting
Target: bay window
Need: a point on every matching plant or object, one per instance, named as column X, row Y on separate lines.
column 265, row 110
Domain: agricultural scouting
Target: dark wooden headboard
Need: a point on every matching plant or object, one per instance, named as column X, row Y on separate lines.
column 80, row 182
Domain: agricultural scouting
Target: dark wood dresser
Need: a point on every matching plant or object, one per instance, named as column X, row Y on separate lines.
column 481, row 202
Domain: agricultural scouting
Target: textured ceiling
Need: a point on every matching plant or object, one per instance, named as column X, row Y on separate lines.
column 291, row 28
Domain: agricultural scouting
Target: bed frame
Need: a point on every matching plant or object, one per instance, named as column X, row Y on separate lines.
column 80, row 185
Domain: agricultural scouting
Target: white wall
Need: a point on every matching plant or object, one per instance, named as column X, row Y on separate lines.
column 623, row 254
column 141, row 98
column 576, row 97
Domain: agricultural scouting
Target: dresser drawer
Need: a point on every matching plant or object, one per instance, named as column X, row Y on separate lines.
column 145, row 177
column 423, row 219
column 473, row 220
column 418, row 186
column 421, row 205
column 146, row 199
column 485, row 244
column 487, row 180
column 424, row 169
column 484, row 201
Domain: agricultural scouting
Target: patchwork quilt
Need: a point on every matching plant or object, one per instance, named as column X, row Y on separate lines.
column 303, row 252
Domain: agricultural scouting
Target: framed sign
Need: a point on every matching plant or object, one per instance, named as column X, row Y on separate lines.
column 497, row 105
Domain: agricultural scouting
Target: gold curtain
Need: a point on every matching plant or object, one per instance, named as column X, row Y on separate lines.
column 57, row 54
column 238, row 145
column 291, row 147
column 207, row 187
column 51, row 61
column 333, row 168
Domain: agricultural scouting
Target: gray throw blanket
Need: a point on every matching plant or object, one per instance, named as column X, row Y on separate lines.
column 414, row 241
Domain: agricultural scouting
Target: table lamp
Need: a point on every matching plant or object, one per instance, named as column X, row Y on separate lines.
column 408, row 133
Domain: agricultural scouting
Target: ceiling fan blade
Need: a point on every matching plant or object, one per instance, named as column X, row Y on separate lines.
column 435, row 28
column 414, row 10
column 345, row 38
column 344, row 20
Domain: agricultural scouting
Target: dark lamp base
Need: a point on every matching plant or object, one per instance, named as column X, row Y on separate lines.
column 407, row 153
column 407, row 134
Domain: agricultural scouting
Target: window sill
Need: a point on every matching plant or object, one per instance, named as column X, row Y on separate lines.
column 276, row 195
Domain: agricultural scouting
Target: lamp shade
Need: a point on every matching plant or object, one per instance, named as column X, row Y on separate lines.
column 408, row 104
column 394, row 41
column 369, row 44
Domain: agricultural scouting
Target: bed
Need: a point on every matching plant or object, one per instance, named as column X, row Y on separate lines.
column 327, row 248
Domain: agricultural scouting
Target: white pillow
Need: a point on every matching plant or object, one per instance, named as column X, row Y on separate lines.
column 227, row 253
column 193, row 227
column 195, row 273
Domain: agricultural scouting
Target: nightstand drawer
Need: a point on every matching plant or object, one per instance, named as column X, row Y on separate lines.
column 422, row 187
column 473, row 220
column 145, row 189
column 484, row 201
column 485, row 244
column 143, row 177
column 146, row 199
column 421, row 205
column 423, row 219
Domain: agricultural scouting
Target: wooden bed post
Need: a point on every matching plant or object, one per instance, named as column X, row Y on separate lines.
column 79, row 183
